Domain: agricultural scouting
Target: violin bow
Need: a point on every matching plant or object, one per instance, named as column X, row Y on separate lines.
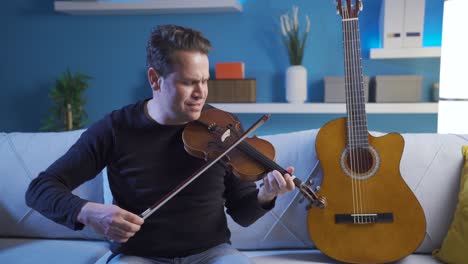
column 200, row 171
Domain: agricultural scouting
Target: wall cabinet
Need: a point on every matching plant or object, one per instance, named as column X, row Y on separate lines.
column 401, row 31
column 402, row 23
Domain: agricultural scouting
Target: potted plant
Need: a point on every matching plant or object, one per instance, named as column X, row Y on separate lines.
column 295, row 41
column 67, row 112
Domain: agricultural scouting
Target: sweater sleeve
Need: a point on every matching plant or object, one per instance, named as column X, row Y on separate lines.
column 51, row 192
column 241, row 201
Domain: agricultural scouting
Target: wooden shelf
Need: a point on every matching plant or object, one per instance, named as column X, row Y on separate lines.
column 328, row 108
column 426, row 52
column 147, row 7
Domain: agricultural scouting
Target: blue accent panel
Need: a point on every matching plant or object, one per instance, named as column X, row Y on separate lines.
column 38, row 45
column 433, row 23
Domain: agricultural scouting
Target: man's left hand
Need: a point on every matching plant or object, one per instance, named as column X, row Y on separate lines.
column 275, row 184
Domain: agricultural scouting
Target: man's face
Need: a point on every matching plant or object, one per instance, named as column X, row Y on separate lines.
column 184, row 91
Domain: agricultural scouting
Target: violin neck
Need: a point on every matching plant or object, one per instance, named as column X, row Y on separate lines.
column 265, row 161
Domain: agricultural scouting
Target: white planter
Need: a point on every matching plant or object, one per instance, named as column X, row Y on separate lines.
column 296, row 84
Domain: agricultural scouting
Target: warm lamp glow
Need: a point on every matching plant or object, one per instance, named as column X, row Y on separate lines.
column 453, row 95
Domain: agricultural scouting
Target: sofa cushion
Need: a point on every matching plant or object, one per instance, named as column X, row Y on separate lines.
column 50, row 251
column 455, row 246
column 23, row 156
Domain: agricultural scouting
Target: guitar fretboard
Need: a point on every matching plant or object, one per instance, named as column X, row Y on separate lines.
column 354, row 84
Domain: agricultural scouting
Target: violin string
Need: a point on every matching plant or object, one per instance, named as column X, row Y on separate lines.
column 257, row 155
column 268, row 163
column 263, row 159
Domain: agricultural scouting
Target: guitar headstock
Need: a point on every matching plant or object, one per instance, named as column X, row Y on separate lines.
column 348, row 8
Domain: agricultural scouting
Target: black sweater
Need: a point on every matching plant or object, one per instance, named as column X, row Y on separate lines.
column 145, row 160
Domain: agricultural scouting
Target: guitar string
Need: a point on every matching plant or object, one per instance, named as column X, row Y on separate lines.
column 351, row 120
column 360, row 136
column 356, row 122
column 348, row 106
column 369, row 160
column 353, row 147
column 362, row 126
column 355, row 114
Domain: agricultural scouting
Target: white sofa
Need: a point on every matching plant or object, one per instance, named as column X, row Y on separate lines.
column 430, row 165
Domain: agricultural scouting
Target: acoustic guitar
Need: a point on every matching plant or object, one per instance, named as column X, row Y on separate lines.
column 372, row 216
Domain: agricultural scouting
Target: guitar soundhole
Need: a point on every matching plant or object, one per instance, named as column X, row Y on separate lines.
column 360, row 162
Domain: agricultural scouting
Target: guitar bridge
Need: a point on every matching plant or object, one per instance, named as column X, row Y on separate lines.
column 364, row 218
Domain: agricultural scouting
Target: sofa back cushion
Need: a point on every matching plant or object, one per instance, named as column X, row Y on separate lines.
column 22, row 157
column 430, row 166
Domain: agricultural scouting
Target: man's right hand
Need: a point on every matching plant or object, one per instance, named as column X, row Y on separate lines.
column 110, row 220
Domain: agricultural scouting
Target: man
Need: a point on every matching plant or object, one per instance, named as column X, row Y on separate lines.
column 141, row 145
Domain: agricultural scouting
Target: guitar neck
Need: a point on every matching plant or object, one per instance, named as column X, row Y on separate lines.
column 354, row 84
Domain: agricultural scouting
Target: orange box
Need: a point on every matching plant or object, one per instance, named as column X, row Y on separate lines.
column 230, row 70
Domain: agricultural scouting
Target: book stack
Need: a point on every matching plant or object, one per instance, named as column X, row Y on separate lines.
column 230, row 85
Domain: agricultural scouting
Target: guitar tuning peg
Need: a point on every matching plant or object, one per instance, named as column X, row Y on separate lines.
column 311, row 182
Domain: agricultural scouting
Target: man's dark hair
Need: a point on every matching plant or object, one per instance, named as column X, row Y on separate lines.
column 165, row 40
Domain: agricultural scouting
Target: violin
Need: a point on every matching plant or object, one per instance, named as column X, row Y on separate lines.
column 158, row 204
column 216, row 130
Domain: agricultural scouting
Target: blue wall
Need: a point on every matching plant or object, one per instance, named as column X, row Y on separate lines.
column 38, row 45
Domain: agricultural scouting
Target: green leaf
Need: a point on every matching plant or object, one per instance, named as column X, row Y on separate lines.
column 69, row 89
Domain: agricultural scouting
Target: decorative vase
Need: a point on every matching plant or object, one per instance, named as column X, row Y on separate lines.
column 296, row 84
